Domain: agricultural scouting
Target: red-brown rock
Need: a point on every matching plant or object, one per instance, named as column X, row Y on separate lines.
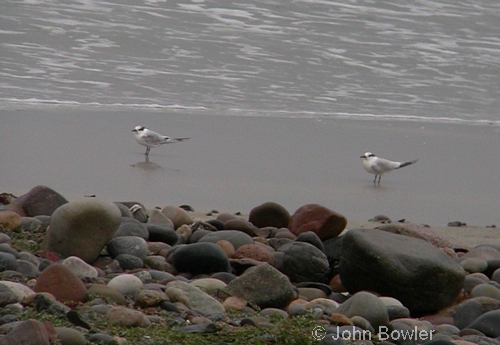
column 62, row 283
column 31, row 332
column 256, row 252
column 318, row 219
column 40, row 200
column 336, row 284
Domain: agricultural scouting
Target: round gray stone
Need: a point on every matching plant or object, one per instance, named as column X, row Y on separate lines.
column 82, row 228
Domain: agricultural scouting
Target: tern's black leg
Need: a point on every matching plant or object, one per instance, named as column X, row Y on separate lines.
column 147, row 151
column 375, row 179
column 379, row 177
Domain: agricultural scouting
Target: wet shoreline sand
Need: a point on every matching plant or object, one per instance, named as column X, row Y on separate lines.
column 234, row 163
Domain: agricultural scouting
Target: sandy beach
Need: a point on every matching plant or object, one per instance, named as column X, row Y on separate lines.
column 234, row 163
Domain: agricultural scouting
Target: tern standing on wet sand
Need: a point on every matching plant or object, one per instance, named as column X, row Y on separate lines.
column 150, row 139
column 380, row 166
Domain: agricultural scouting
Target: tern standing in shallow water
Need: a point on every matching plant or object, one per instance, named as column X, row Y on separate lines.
column 150, row 139
column 380, row 166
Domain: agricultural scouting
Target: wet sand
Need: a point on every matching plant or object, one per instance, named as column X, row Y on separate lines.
column 234, row 163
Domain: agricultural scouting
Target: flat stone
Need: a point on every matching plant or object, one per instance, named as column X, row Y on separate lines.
column 193, row 298
column 263, row 286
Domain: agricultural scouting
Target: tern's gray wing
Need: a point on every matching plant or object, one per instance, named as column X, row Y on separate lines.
column 153, row 138
column 381, row 165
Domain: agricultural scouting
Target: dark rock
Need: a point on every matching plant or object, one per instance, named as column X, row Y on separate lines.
column 27, row 269
column 131, row 227
column 269, row 214
column 318, row 219
column 199, row 258
column 332, row 250
column 469, row 310
column 216, row 223
column 323, row 287
column 488, row 324
column 131, row 245
column 471, row 282
column 312, row 238
column 158, row 233
column 77, row 319
column 6, row 248
column 45, row 303
column 399, row 266
column 7, row 262
column 170, row 307
column 303, row 262
column 197, row 235
column 397, row 312
column 456, row 224
column 493, row 265
column 129, row 262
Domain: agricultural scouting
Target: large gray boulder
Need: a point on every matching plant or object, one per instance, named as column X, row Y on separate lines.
column 411, row 270
column 82, row 228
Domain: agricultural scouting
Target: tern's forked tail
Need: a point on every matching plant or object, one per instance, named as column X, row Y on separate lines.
column 407, row 163
column 181, row 139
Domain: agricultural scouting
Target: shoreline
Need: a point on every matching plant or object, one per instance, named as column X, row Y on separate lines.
column 236, row 163
column 461, row 237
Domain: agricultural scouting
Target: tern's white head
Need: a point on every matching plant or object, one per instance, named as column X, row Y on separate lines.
column 138, row 129
column 367, row 155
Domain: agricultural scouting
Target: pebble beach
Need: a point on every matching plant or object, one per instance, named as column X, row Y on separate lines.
column 92, row 271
